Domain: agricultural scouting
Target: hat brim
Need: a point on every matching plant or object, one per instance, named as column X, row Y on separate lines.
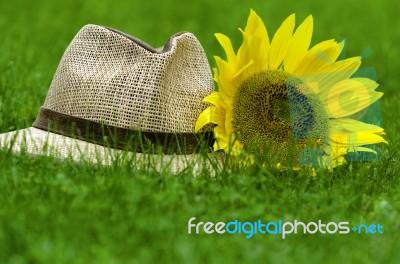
column 39, row 142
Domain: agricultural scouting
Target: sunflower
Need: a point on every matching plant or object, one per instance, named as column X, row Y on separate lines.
column 286, row 101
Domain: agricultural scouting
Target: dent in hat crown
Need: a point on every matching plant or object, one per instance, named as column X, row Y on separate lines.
column 109, row 77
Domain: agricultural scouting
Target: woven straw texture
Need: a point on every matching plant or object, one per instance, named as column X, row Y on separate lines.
column 109, row 77
column 106, row 77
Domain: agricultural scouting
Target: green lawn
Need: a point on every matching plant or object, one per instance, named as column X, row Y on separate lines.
column 52, row 212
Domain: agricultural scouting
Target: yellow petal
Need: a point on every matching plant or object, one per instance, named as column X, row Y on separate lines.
column 228, row 121
column 324, row 53
column 342, row 125
column 240, row 71
column 203, row 119
column 335, row 149
column 209, row 115
column 343, row 69
column 335, row 157
column 225, row 69
column 255, row 46
column 280, row 42
column 213, row 98
column 226, row 141
column 216, row 74
column 348, row 97
column 255, row 25
column 254, row 22
column 227, row 46
column 220, row 132
column 299, row 44
column 357, row 139
column 368, row 84
column 332, row 74
column 224, row 78
column 221, row 143
column 243, row 54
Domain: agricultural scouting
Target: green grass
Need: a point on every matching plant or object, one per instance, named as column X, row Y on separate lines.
column 52, row 212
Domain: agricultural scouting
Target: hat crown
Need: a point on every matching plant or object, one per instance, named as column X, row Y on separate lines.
column 108, row 77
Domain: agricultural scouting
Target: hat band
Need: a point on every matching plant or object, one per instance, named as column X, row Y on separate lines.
column 121, row 138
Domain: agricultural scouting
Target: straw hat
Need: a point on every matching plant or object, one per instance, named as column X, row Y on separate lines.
column 115, row 94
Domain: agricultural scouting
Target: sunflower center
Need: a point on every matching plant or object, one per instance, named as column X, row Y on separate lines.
column 279, row 116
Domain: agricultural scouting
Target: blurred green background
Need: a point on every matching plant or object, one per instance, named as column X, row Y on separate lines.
column 64, row 213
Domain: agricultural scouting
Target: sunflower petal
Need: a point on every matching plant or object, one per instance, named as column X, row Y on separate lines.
column 280, row 42
column 220, row 144
column 348, row 97
column 348, row 66
column 255, row 46
column 339, row 71
column 212, row 98
column 299, row 44
column 224, row 78
column 368, row 84
column 357, row 139
column 216, row 100
column 346, row 124
column 226, row 44
column 219, row 132
column 324, row 53
column 256, row 25
column 216, row 74
column 203, row 119
column 228, row 122
column 335, row 150
column 209, row 115
column 251, row 62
